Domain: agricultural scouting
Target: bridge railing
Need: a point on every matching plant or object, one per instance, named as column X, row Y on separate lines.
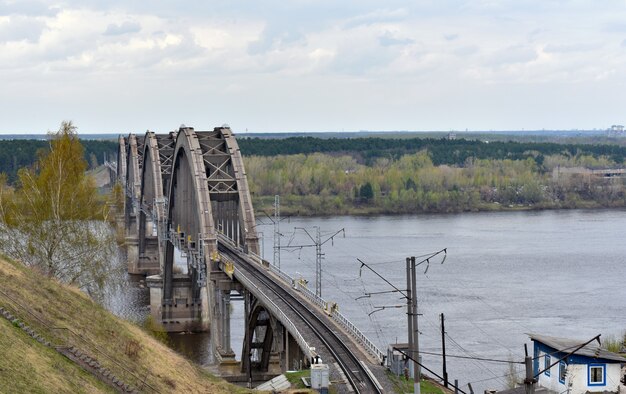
column 358, row 335
column 302, row 288
column 276, row 311
column 283, row 275
column 334, row 313
column 299, row 285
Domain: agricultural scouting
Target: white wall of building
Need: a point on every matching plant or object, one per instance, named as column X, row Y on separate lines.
column 576, row 378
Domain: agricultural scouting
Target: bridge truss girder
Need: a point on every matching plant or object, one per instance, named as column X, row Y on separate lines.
column 134, row 145
column 156, row 170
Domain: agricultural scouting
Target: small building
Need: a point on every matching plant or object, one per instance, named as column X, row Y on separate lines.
column 589, row 369
column 397, row 362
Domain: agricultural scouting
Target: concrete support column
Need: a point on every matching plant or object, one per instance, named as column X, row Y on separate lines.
column 132, row 254
column 228, row 365
column 180, row 313
column 225, row 321
column 155, row 284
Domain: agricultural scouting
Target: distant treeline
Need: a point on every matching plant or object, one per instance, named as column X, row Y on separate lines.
column 442, row 151
column 15, row 154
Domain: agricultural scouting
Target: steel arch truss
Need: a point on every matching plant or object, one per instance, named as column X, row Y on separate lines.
column 121, row 161
column 133, row 182
column 156, row 170
column 228, row 188
column 208, row 193
column 259, row 338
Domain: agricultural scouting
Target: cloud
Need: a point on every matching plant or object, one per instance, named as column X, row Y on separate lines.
column 123, row 28
column 615, row 27
column 275, row 38
column 88, row 47
column 27, row 7
column 466, row 50
column 21, row 28
column 570, row 48
column 376, row 17
column 388, row 39
column 512, row 54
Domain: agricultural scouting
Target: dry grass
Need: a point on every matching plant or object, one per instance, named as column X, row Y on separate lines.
column 26, row 366
column 62, row 306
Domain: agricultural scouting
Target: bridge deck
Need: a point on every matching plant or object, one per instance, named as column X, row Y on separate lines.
column 336, row 348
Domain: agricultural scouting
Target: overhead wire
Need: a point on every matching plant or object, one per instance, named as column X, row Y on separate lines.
column 379, row 332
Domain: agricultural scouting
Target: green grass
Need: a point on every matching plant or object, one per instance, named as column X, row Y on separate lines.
column 295, row 378
column 614, row 343
column 402, row 385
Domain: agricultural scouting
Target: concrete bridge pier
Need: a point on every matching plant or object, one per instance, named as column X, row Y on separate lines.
column 132, row 254
column 181, row 312
column 148, row 256
column 225, row 357
column 131, row 242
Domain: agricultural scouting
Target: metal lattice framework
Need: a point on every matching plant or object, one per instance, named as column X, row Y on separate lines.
column 183, row 190
column 121, row 161
column 133, row 146
column 157, row 159
column 258, row 337
column 208, row 193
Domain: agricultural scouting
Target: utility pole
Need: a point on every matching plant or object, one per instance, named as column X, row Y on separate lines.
column 318, row 262
column 319, row 256
column 529, row 382
column 416, row 346
column 277, row 231
column 409, row 314
column 411, row 296
column 443, row 351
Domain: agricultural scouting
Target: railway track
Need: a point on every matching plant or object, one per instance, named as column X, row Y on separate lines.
column 357, row 375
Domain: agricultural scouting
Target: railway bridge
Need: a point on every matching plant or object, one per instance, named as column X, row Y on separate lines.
column 190, row 227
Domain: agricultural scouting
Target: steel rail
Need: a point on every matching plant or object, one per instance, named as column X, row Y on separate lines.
column 314, row 322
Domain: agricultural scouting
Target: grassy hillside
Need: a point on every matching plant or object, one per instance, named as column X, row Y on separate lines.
column 27, row 366
column 122, row 347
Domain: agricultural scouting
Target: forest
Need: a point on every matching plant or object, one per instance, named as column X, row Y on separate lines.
column 317, row 176
column 15, row 154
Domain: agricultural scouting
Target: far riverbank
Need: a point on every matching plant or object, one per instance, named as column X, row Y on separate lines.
column 304, row 206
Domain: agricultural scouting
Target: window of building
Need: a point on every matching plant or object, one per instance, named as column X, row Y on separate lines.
column 596, row 374
column 562, row 372
column 546, row 364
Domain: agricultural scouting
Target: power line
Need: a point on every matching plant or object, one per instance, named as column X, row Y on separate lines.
column 483, row 367
column 426, row 368
column 474, row 358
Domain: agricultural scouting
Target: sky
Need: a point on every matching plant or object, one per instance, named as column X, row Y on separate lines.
column 326, row 65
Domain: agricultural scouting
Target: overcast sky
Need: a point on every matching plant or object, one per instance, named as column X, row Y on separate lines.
column 320, row 65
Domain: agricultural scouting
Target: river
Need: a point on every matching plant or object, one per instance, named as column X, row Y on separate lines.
column 506, row 274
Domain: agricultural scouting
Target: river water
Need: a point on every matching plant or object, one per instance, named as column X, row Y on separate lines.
column 506, row 274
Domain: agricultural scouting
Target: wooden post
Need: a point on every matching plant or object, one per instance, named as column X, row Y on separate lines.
column 529, row 382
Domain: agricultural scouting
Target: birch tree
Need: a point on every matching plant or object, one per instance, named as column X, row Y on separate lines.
column 53, row 220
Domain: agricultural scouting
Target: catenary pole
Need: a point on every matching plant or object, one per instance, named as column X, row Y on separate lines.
column 409, row 311
column 416, row 346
